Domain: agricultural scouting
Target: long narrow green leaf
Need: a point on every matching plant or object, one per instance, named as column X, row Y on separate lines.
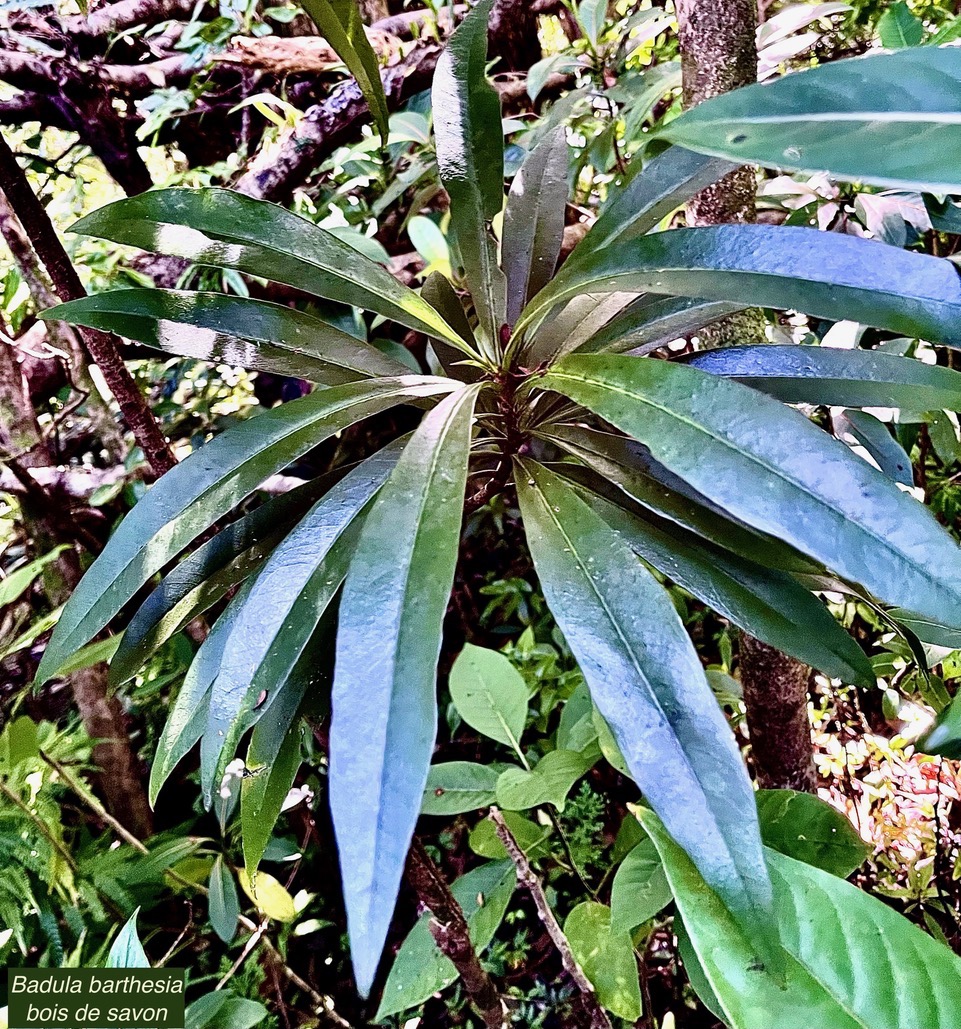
column 342, row 27
column 630, row 468
column 889, row 119
column 825, row 274
column 653, row 320
column 185, row 723
column 206, row 486
column 874, row 436
column 287, row 600
column 647, row 682
column 388, row 642
column 470, row 159
column 768, row 604
column 534, row 220
column 224, row 229
column 841, row 378
column 648, row 195
column 852, row 961
column 776, row 471
column 441, row 295
column 238, row 331
column 200, row 580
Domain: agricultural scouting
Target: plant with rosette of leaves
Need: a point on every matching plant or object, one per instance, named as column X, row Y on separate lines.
column 622, row 464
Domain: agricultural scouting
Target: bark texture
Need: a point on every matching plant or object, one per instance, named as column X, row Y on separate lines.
column 719, row 53
column 776, row 698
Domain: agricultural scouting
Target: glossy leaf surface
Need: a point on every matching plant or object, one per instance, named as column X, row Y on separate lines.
column 534, row 220
column 384, row 703
column 206, row 486
column 887, row 119
column 470, row 159
column 839, row 378
column 647, row 682
column 809, row 489
column 828, row 275
column 852, row 961
column 224, row 229
column 237, row 331
column 766, row 603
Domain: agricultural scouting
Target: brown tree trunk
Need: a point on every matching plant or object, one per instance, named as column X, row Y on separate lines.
column 718, row 53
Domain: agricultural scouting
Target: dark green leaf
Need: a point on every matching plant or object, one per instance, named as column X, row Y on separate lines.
column 286, row 602
column 224, row 907
column 766, row 603
column 887, row 119
column 205, row 576
column 640, row 889
column 470, row 158
column 273, row 757
column 647, row 196
column 826, row 274
column 648, row 684
column 630, row 467
column 458, row 786
column 224, row 229
column 341, row 25
column 653, row 320
column 898, row 27
column 205, row 487
column 420, row 970
column 806, row 487
column 808, row 829
column 852, row 962
column 874, row 436
column 944, row 738
column 384, row 704
column 441, row 295
column 839, row 378
column 188, row 716
column 237, row 331
column 534, row 220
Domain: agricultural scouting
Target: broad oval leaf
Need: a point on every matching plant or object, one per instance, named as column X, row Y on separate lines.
column 388, row 642
column 806, row 487
column 238, row 331
column 420, row 969
column 224, row 229
column 852, row 962
column 490, row 694
column 825, row 274
column 606, row 956
column 809, row 829
column 270, row 896
column 534, row 220
column 470, row 158
column 458, row 786
column 648, row 684
column 640, row 889
column 838, row 378
column 887, row 119
column 207, row 485
column 548, row 782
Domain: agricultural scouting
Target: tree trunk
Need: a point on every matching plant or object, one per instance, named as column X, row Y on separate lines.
column 718, row 53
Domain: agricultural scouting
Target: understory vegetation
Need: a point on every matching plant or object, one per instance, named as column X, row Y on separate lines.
column 479, row 509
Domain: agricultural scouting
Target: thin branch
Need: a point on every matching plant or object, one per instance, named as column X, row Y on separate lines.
column 449, row 928
column 101, row 346
column 530, row 882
